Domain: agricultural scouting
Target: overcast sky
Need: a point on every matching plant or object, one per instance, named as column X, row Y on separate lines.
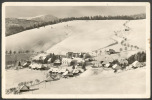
column 75, row 11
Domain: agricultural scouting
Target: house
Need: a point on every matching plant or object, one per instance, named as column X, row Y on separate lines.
column 66, row 61
column 40, row 57
column 36, row 66
column 62, row 70
column 105, row 64
column 126, row 29
column 69, row 54
column 129, row 67
column 136, row 64
column 33, row 66
column 26, row 64
column 57, row 62
column 116, row 67
column 49, row 60
column 65, row 73
column 76, row 55
column 96, row 64
column 24, row 88
column 55, row 70
column 44, row 66
column 37, row 57
column 111, row 51
column 79, row 60
column 75, row 71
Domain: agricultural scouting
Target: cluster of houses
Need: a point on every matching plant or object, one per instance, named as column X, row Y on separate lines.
column 65, row 59
column 44, row 60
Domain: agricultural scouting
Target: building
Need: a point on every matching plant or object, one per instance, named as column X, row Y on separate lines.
column 72, row 54
column 111, row 51
column 24, row 88
column 69, row 54
column 136, row 64
column 57, row 62
column 116, row 67
column 96, row 64
column 76, row 55
column 66, row 61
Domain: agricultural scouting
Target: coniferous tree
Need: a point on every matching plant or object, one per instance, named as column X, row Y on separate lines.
column 14, row 52
column 10, row 52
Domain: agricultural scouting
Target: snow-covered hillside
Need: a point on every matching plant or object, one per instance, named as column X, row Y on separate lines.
column 77, row 36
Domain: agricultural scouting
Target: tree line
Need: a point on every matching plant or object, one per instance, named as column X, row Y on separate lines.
column 10, row 52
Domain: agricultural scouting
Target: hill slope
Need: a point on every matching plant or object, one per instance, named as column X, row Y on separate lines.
column 77, row 36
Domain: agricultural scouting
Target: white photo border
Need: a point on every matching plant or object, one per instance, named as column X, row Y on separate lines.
column 38, row 96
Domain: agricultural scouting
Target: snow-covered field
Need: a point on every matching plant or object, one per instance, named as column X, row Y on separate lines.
column 105, row 82
column 76, row 36
column 94, row 81
column 138, row 33
column 13, row 77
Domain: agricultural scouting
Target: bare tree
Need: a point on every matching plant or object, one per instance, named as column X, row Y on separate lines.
column 37, row 81
column 31, row 82
column 125, row 48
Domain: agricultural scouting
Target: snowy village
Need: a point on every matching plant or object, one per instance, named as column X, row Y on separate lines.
column 76, row 55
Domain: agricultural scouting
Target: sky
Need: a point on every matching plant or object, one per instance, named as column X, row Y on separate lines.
column 72, row 11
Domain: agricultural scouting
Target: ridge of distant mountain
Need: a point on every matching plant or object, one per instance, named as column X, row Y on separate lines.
column 16, row 25
column 44, row 18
